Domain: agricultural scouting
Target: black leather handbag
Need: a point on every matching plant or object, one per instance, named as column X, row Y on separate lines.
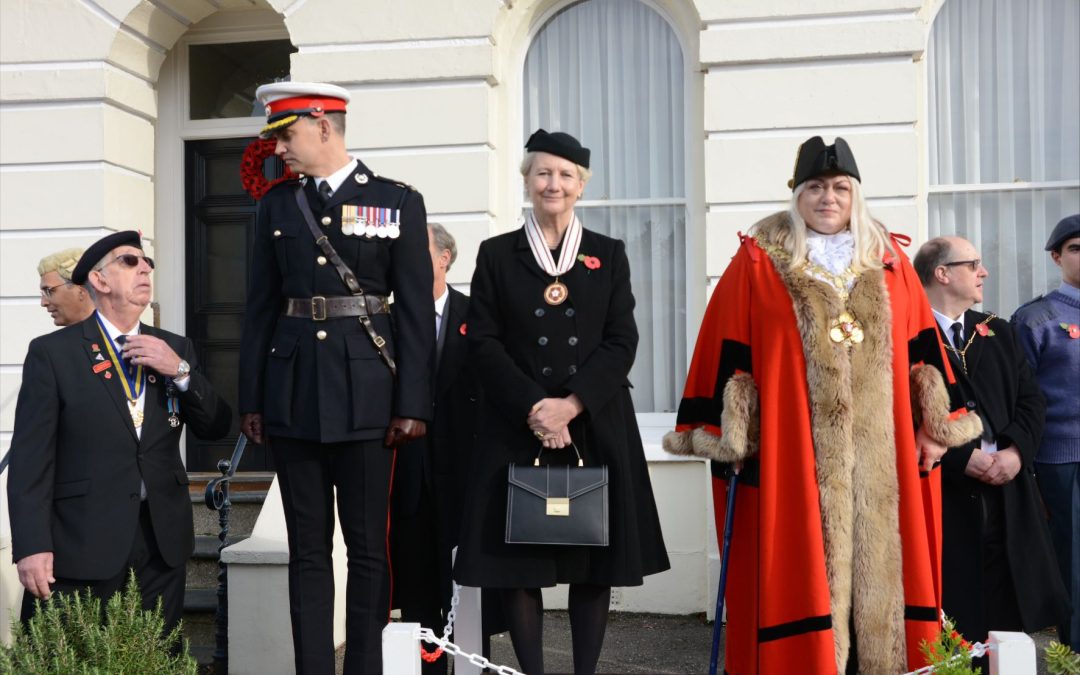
column 560, row 505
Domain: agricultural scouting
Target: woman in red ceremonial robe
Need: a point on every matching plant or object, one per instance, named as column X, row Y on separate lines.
column 818, row 374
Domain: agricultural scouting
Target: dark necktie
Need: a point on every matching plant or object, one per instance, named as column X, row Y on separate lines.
column 120, row 340
column 324, row 191
column 958, row 335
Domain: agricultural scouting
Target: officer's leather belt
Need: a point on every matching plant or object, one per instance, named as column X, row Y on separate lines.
column 321, row 308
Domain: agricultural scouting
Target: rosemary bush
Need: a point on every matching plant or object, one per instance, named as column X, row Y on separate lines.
column 67, row 637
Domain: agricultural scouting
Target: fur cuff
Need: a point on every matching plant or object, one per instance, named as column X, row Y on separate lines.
column 739, row 427
column 930, row 405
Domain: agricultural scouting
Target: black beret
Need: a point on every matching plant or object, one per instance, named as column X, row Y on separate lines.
column 99, row 249
column 815, row 158
column 1068, row 228
column 560, row 144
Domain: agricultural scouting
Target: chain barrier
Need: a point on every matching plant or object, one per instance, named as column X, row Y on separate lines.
column 444, row 645
column 977, row 649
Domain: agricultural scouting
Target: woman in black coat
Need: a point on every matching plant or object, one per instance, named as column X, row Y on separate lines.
column 552, row 337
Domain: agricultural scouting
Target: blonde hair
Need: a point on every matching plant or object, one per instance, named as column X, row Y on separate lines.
column 870, row 237
column 527, row 162
column 61, row 262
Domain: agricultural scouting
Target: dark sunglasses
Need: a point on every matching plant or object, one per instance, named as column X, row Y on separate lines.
column 130, row 260
column 973, row 264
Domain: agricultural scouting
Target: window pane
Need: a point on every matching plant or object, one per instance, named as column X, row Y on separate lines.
column 224, row 76
column 610, row 72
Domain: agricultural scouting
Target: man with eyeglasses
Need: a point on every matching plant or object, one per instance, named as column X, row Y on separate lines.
column 97, row 484
column 1049, row 329
column 66, row 302
column 998, row 566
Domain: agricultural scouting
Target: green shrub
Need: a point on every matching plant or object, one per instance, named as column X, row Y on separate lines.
column 1060, row 660
column 67, row 637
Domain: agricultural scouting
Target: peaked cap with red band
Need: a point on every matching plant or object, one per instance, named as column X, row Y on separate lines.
column 286, row 102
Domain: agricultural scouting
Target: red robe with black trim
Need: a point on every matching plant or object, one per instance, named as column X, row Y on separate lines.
column 835, row 529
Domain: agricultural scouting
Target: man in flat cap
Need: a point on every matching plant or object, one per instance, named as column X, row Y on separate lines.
column 327, row 380
column 97, row 485
column 1049, row 330
column 66, row 302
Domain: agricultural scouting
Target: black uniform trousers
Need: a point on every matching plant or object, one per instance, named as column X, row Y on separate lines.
column 156, row 578
column 361, row 471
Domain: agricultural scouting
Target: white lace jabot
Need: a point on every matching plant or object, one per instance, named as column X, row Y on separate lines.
column 833, row 252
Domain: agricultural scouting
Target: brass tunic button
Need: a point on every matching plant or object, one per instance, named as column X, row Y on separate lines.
column 321, row 260
column 277, row 233
column 321, row 335
column 326, row 220
column 572, row 340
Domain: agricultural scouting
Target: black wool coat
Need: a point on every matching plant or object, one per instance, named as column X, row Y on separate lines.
column 1000, row 386
column 76, row 461
column 523, row 350
column 336, row 388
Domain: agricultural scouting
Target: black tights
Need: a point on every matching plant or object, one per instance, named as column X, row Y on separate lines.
column 524, row 609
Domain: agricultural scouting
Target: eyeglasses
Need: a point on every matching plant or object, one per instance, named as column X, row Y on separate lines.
column 47, row 291
column 973, row 264
column 129, row 260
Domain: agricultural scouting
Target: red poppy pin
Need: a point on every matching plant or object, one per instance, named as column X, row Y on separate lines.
column 591, row 262
column 463, row 329
column 984, row 330
column 94, row 347
column 1072, row 329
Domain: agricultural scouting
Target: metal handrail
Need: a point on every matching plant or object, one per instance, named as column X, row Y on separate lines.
column 217, row 499
column 5, row 460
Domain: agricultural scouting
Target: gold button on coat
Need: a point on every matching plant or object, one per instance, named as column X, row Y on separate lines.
column 326, row 220
column 321, row 335
column 321, row 260
column 277, row 233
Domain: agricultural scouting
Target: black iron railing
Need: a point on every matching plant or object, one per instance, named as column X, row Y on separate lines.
column 5, row 460
column 217, row 499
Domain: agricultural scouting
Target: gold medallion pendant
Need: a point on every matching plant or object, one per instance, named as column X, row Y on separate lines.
column 136, row 414
column 556, row 293
column 846, row 330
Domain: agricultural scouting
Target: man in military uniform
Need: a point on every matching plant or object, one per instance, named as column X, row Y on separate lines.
column 326, row 378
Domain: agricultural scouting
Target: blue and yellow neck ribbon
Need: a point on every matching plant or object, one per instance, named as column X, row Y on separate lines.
column 132, row 382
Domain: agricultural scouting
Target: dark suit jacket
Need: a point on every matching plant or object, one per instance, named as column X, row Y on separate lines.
column 1000, row 386
column 337, row 388
column 439, row 461
column 76, row 462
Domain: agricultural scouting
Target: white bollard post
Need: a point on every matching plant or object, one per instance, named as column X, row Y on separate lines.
column 468, row 630
column 401, row 648
column 1011, row 653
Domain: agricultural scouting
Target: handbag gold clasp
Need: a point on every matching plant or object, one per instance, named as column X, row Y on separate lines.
column 558, row 506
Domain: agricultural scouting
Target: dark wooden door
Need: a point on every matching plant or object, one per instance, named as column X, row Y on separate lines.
column 220, row 223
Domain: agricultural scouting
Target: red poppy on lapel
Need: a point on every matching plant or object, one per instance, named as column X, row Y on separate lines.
column 591, row 262
column 1072, row 329
column 108, row 375
column 463, row 329
column 983, row 330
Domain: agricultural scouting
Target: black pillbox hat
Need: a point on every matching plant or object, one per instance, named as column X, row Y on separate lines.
column 99, row 249
column 815, row 158
column 1068, row 228
column 560, row 144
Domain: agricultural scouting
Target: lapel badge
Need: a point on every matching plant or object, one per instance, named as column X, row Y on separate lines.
column 151, row 379
column 99, row 357
column 104, row 365
column 108, row 375
column 361, row 178
column 94, row 348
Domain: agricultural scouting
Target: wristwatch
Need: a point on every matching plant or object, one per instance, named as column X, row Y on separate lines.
column 182, row 370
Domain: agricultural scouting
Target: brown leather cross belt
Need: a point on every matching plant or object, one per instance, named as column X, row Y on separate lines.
column 322, row 308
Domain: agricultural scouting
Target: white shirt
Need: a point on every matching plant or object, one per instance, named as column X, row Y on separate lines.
column 440, row 305
column 946, row 323
column 338, row 177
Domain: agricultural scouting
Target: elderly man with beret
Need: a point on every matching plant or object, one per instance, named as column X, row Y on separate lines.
column 97, row 485
column 66, row 302
column 1049, row 330
column 327, row 380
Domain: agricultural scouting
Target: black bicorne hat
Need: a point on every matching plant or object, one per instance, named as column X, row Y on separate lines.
column 815, row 158
column 1068, row 228
column 560, row 144
column 99, row 249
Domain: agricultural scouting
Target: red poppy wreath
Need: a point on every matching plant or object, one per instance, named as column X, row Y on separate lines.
column 251, row 168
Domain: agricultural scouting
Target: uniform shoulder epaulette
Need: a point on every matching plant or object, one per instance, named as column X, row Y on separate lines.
column 398, row 183
column 1034, row 312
